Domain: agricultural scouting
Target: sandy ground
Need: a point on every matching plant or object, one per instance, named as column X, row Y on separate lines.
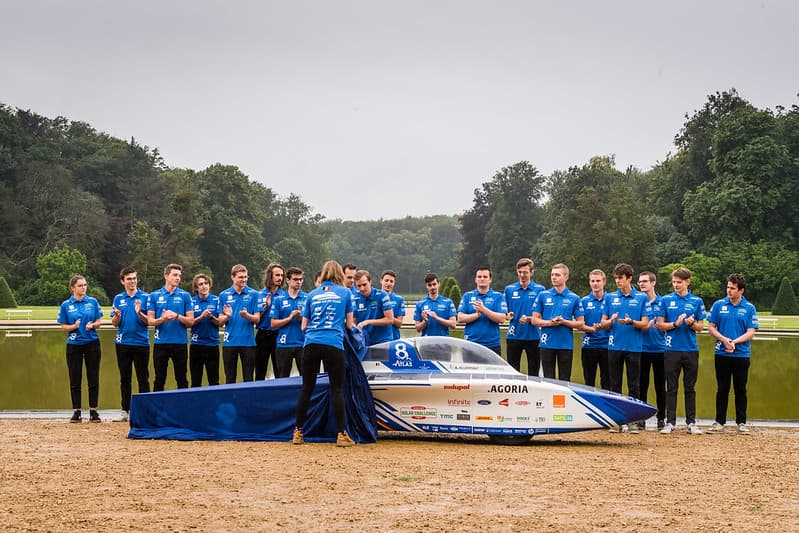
column 56, row 476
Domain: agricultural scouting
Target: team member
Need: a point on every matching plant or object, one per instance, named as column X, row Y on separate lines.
column 522, row 335
column 483, row 310
column 266, row 338
column 594, row 350
column 733, row 322
column 239, row 311
column 652, row 348
column 373, row 309
column 557, row 311
column 435, row 315
column 80, row 317
column 132, row 341
column 286, row 316
column 170, row 311
column 204, row 336
column 327, row 311
column 387, row 281
column 627, row 313
column 681, row 316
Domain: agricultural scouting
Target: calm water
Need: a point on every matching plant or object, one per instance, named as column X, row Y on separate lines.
column 33, row 375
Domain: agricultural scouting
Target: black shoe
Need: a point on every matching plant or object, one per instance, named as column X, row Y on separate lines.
column 94, row 416
column 75, row 416
column 661, row 424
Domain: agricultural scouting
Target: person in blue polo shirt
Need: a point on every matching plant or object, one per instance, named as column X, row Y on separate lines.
column 239, row 310
column 435, row 315
column 627, row 312
column 387, row 281
column 681, row 317
column 170, row 311
column 522, row 335
column 557, row 311
column 266, row 337
column 594, row 348
column 204, row 336
column 652, row 349
column 132, row 340
column 732, row 322
column 80, row 317
column 286, row 317
column 373, row 310
column 326, row 314
column 483, row 310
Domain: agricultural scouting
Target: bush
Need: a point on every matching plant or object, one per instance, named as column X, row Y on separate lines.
column 6, row 296
column 446, row 286
column 785, row 302
column 455, row 295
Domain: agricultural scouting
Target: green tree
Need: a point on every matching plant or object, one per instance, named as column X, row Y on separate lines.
column 6, row 296
column 785, row 303
column 446, row 285
column 55, row 268
column 455, row 295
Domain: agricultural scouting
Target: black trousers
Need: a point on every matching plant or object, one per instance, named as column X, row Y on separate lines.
column 230, row 358
column 333, row 358
column 162, row 353
column 77, row 354
column 203, row 358
column 530, row 348
column 617, row 359
column 265, row 349
column 285, row 358
column 654, row 361
column 563, row 358
column 688, row 364
column 594, row 359
column 737, row 369
column 128, row 359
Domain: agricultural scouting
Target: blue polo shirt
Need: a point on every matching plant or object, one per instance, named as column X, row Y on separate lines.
column 626, row 337
column 682, row 339
column 205, row 332
column 520, row 302
column 549, row 304
column 371, row 307
column 179, row 301
column 86, row 310
column 398, row 306
column 483, row 330
column 131, row 331
column 443, row 307
column 654, row 339
column 290, row 335
column 594, row 309
column 266, row 322
column 326, row 309
column 732, row 321
column 238, row 330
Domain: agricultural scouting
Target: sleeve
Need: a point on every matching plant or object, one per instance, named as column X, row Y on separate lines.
column 700, row 314
column 399, row 308
column 578, row 308
column 98, row 311
column 464, row 306
column 753, row 321
column 417, row 312
column 451, row 308
column 274, row 309
column 62, row 314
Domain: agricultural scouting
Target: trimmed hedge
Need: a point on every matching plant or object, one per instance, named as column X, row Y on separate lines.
column 785, row 303
column 6, row 296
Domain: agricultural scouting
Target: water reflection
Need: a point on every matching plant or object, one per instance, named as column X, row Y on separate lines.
column 33, row 374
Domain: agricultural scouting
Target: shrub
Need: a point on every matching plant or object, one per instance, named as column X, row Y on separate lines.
column 455, row 295
column 6, row 296
column 785, row 302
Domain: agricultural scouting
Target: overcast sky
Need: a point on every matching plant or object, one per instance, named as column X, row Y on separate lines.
column 377, row 109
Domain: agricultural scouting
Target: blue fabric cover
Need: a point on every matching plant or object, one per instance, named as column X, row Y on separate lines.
column 258, row 411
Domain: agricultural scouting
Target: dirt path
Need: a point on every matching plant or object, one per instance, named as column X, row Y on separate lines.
column 60, row 476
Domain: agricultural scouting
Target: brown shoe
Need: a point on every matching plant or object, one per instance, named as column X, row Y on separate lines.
column 344, row 440
column 297, row 437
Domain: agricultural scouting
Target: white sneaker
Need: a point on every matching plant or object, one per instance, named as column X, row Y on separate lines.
column 614, row 429
column 693, row 429
column 667, row 429
column 716, row 428
column 743, row 428
column 123, row 417
column 625, row 428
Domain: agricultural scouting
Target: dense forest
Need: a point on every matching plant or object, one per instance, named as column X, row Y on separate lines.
column 727, row 199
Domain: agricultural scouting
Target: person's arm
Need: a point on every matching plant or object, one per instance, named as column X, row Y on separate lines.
column 70, row 327
column 187, row 319
column 278, row 323
column 350, row 322
column 449, row 322
column 387, row 319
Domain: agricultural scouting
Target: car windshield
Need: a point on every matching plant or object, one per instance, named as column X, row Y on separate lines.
column 455, row 350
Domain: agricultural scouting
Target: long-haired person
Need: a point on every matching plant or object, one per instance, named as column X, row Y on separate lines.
column 80, row 316
column 327, row 311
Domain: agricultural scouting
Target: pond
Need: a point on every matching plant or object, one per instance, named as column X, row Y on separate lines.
column 33, row 374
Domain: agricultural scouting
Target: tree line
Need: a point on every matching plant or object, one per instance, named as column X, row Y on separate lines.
column 726, row 200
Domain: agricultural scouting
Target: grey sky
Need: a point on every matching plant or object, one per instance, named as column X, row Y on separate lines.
column 384, row 109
